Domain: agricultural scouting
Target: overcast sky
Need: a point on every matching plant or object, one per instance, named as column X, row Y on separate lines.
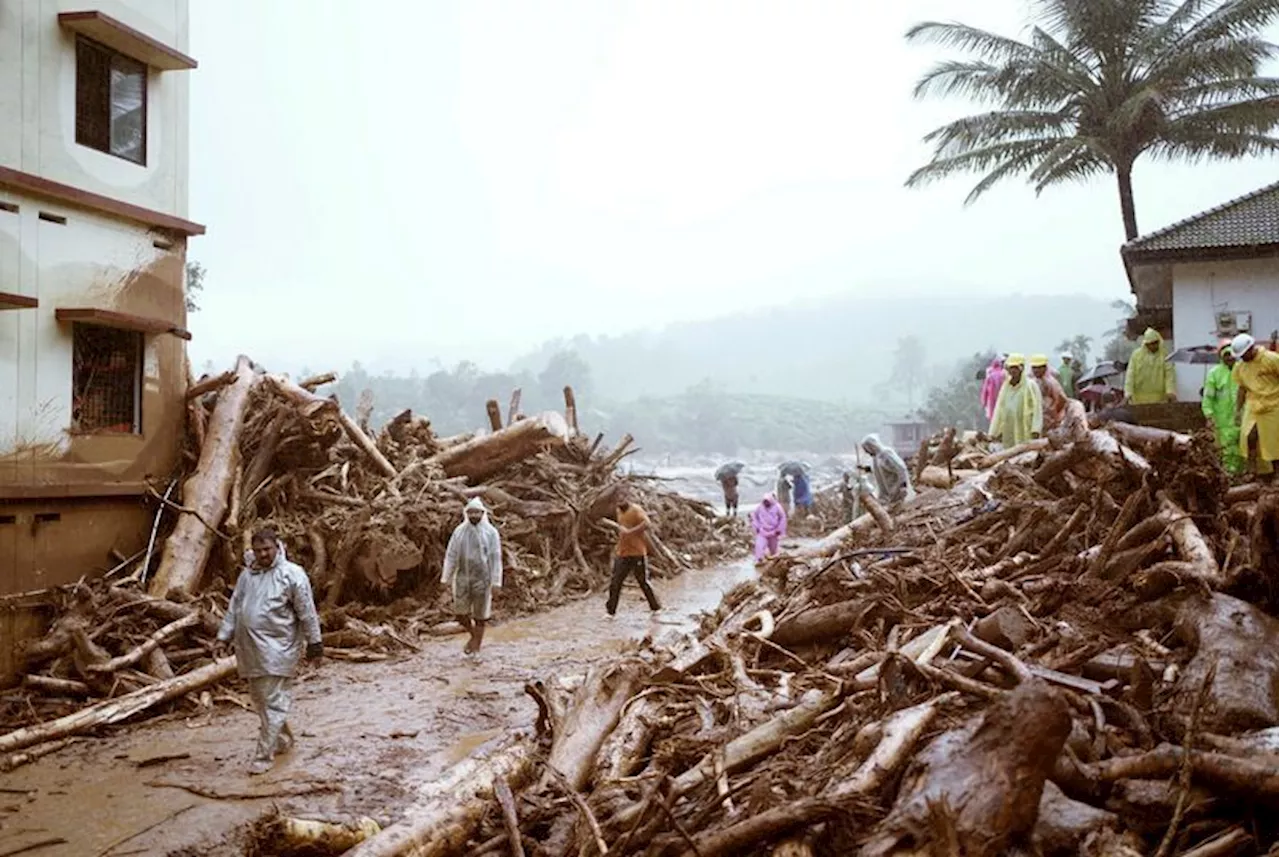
column 401, row 181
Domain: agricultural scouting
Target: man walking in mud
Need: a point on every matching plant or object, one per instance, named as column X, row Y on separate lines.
column 473, row 567
column 729, row 484
column 632, row 554
column 271, row 620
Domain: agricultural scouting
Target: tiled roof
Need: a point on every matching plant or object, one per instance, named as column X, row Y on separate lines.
column 1246, row 221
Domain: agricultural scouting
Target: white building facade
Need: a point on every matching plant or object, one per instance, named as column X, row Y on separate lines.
column 1209, row 277
column 93, row 237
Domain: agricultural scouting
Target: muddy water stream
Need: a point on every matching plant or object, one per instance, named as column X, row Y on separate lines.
column 368, row 733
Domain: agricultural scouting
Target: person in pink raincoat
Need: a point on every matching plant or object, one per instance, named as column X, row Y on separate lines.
column 991, row 385
column 769, row 520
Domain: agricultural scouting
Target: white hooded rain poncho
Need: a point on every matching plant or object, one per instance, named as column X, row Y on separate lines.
column 272, row 617
column 473, row 564
column 893, row 480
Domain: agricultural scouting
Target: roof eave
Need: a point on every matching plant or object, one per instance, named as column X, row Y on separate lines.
column 1139, row 256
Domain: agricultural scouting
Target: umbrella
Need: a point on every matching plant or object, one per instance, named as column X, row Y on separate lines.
column 793, row 468
column 1204, row 354
column 1105, row 369
column 729, row 468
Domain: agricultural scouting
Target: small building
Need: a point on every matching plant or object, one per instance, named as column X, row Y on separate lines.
column 93, row 240
column 904, row 436
column 1208, row 277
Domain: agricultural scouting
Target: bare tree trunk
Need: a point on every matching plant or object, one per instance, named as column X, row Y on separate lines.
column 187, row 550
column 1124, row 179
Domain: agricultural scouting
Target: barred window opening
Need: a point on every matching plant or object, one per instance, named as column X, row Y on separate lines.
column 106, row 380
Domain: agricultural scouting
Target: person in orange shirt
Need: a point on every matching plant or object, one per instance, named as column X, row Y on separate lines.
column 632, row 554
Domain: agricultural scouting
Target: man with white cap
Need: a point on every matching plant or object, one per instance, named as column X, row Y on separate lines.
column 1255, row 373
column 473, row 567
column 1067, row 375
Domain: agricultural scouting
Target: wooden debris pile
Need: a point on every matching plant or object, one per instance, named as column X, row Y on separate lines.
column 368, row 515
column 1071, row 651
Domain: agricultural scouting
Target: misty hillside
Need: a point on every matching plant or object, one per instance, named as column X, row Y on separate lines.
column 837, row 349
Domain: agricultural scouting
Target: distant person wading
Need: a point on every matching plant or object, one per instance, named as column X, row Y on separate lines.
column 632, row 554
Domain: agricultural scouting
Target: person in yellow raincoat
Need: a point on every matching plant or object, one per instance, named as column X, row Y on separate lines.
column 1019, row 412
column 1150, row 379
column 1255, row 373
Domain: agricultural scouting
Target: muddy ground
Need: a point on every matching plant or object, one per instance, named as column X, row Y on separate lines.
column 368, row 734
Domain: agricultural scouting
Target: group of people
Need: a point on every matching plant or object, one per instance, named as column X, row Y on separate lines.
column 1239, row 403
column 887, row 471
column 271, row 622
column 1021, row 409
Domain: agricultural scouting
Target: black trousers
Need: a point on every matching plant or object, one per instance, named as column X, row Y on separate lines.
column 638, row 566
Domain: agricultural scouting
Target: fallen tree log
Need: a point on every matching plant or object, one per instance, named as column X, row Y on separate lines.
column 187, row 549
column 1236, row 643
column 822, row 623
column 483, row 456
column 1247, row 777
column 450, row 809
column 1190, row 543
column 1037, row 445
column 987, row 775
column 110, row 711
column 209, row 385
column 591, row 716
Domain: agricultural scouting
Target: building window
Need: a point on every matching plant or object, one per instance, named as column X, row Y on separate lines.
column 111, row 102
column 106, row 380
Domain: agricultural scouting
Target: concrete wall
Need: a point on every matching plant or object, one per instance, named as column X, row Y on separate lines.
column 1203, row 289
column 37, row 103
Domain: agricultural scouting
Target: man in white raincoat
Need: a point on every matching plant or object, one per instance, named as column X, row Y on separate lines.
column 893, row 480
column 271, row 620
column 473, row 567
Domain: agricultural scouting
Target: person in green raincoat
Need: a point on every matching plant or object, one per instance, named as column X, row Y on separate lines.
column 1019, row 412
column 1067, row 375
column 1218, row 403
column 1150, row 379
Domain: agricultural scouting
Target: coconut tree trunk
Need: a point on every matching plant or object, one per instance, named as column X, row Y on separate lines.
column 1124, row 179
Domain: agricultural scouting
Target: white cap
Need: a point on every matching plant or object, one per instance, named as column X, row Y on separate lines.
column 1066, row 356
column 1241, row 345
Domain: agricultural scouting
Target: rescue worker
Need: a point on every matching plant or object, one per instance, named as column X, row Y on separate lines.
column 271, row 620
column 769, row 520
column 729, row 485
column 1218, row 404
column 473, row 569
column 632, row 553
column 1019, row 412
column 1067, row 375
column 783, row 492
column 1255, row 373
column 1150, row 379
column 893, row 480
column 992, row 383
column 802, row 494
column 1058, row 410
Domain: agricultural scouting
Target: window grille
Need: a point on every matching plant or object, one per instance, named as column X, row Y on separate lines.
column 106, row 380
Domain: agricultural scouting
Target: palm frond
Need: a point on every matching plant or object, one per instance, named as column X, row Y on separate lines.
column 970, row 40
column 998, row 160
column 1232, row 89
column 1075, row 159
column 1000, row 126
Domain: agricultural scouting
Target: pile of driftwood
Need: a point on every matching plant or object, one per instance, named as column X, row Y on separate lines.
column 1071, row 650
column 367, row 514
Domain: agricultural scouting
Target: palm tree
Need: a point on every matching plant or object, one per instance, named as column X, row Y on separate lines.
column 1099, row 83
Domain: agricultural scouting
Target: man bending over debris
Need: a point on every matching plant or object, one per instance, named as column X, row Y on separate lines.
column 632, row 554
column 473, row 566
column 893, row 480
column 271, row 619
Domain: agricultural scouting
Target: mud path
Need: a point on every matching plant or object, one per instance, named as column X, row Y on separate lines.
column 367, row 734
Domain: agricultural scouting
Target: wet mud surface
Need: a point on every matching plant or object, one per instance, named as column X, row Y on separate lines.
column 368, row 734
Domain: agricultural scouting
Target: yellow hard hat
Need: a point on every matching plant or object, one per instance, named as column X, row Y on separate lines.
column 1039, row 360
column 1015, row 360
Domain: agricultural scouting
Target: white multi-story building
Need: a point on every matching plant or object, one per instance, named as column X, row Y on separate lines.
column 93, row 239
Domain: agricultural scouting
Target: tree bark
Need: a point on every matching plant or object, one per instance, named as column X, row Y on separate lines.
column 988, row 776
column 592, row 715
column 311, row 404
column 570, row 410
column 187, row 549
column 482, row 457
column 1236, row 642
column 451, row 809
column 494, row 412
column 1124, row 182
